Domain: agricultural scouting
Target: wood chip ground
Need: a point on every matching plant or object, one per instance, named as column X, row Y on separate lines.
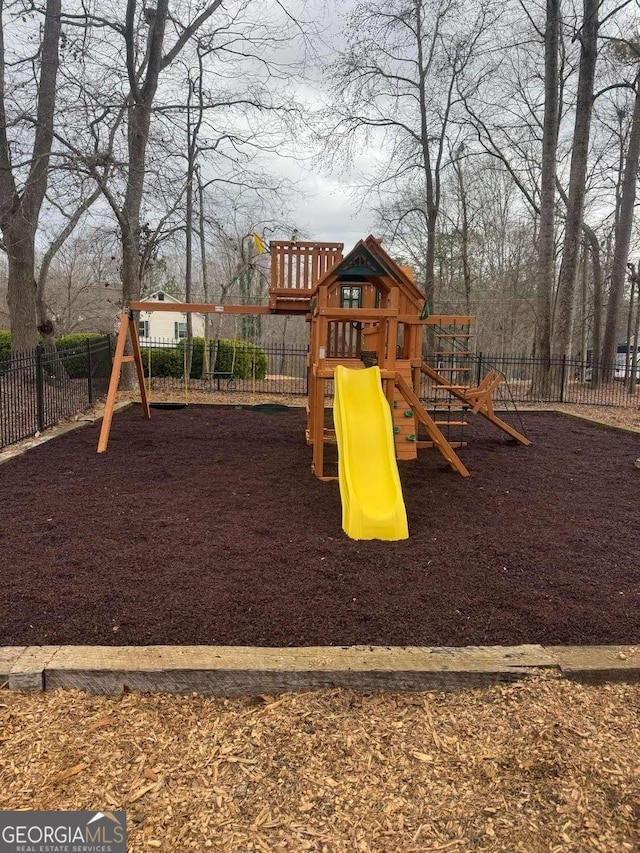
column 540, row 765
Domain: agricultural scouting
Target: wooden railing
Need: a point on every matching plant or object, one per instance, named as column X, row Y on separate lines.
column 297, row 266
column 344, row 339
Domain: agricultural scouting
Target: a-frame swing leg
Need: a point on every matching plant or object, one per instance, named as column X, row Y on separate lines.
column 127, row 326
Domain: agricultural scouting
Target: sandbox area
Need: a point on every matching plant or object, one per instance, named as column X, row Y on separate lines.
column 206, row 526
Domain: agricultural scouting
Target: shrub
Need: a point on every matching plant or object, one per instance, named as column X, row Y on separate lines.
column 78, row 340
column 5, row 345
column 73, row 349
column 163, row 361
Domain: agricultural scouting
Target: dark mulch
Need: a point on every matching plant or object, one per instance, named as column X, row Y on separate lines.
column 206, row 526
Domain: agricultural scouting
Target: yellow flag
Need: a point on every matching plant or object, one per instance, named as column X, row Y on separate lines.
column 261, row 246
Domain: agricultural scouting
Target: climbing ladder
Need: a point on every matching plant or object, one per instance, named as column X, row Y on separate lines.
column 453, row 359
column 452, row 393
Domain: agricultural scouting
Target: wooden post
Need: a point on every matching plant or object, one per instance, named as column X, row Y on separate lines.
column 137, row 357
column 127, row 325
column 318, row 442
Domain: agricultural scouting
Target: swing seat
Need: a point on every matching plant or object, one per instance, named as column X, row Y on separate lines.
column 222, row 374
column 272, row 408
column 168, row 406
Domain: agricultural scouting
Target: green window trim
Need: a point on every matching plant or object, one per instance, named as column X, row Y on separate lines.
column 351, row 296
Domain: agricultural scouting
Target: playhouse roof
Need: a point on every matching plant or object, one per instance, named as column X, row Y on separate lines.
column 368, row 260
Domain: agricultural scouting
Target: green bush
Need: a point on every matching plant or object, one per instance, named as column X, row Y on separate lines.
column 243, row 359
column 76, row 365
column 78, row 340
column 162, row 362
column 5, row 345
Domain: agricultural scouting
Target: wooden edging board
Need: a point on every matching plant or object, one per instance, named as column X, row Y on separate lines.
column 244, row 670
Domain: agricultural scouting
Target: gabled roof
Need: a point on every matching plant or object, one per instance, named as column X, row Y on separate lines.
column 366, row 260
column 153, row 297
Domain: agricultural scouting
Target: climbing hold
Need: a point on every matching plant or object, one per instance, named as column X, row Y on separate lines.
column 395, row 404
column 411, row 437
column 408, row 413
column 396, row 430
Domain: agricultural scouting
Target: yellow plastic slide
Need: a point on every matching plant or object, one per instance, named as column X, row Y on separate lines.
column 372, row 504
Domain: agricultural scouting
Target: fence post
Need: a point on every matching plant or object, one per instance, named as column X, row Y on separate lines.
column 479, row 373
column 563, row 376
column 89, row 373
column 39, row 388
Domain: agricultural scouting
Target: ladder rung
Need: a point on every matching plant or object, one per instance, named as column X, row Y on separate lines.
column 450, row 423
column 441, row 387
column 437, row 404
column 426, row 444
column 128, row 358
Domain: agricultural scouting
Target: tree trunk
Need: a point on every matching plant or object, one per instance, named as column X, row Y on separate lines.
column 19, row 212
column 545, row 262
column 627, row 360
column 188, row 283
column 21, row 288
column 464, row 235
column 579, row 155
column 596, row 267
column 206, row 361
column 633, row 379
column 622, row 240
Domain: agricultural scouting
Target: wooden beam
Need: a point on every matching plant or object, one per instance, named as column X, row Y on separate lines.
column 306, row 244
column 249, row 671
column 357, row 314
column 199, row 308
column 449, row 319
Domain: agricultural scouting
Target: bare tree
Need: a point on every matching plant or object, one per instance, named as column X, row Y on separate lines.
column 399, row 82
column 23, row 179
column 587, row 36
column 546, row 243
column 623, row 228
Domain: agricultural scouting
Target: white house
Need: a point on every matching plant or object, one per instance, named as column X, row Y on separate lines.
column 166, row 326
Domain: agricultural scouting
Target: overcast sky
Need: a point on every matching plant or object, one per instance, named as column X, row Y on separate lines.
column 325, row 207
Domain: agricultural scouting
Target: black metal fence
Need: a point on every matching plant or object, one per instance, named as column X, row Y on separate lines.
column 41, row 387
column 562, row 380
column 283, row 370
column 234, row 366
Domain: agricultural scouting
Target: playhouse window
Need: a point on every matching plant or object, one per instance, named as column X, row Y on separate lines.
column 143, row 328
column 350, row 297
column 179, row 330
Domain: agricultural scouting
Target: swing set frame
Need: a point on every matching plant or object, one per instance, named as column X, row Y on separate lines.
column 128, row 331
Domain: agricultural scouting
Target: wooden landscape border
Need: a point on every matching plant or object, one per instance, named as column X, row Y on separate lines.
column 246, row 671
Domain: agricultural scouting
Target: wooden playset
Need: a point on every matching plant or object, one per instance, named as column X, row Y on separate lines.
column 363, row 309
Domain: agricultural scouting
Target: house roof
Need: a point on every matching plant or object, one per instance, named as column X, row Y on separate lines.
column 152, row 297
column 368, row 260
